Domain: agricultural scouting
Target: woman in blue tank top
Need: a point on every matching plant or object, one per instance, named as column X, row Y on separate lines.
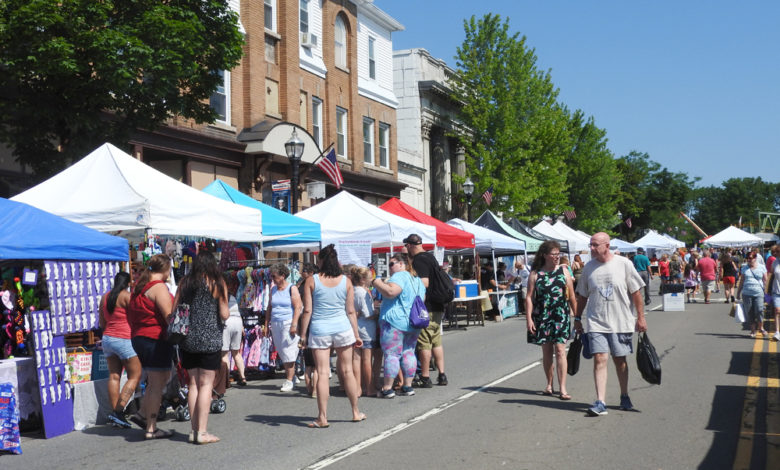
column 329, row 321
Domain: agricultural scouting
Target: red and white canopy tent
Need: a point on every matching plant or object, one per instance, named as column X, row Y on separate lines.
column 447, row 236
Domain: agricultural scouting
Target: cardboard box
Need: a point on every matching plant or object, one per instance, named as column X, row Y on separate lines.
column 674, row 302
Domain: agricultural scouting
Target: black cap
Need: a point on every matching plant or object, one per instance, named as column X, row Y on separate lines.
column 412, row 239
column 640, row 250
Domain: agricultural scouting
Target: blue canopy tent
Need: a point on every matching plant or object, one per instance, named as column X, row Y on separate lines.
column 30, row 233
column 288, row 228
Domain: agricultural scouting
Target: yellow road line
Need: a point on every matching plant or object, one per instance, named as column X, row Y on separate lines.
column 745, row 441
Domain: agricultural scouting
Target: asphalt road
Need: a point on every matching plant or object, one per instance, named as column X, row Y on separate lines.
column 718, row 407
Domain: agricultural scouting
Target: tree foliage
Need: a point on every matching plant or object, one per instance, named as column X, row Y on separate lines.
column 516, row 135
column 715, row 208
column 76, row 73
column 592, row 176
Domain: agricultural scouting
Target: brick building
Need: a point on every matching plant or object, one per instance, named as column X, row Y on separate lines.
column 321, row 67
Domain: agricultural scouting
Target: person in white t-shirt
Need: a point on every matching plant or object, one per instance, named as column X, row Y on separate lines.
column 608, row 286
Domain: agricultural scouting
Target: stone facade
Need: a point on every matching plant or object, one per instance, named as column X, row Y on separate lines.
column 428, row 155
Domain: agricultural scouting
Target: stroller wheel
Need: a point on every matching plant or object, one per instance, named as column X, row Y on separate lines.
column 182, row 413
column 218, row 406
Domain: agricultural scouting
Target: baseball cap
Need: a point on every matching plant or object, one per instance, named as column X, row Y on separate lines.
column 412, row 239
column 640, row 250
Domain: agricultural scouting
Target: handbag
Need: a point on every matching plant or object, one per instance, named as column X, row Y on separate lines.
column 179, row 327
column 647, row 360
column 573, row 356
column 418, row 314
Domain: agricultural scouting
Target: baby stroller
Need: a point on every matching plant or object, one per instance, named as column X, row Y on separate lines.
column 177, row 390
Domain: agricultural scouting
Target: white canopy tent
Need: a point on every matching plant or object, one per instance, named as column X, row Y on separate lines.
column 562, row 231
column 622, row 245
column 655, row 241
column 110, row 191
column 677, row 242
column 487, row 241
column 346, row 217
column 733, row 237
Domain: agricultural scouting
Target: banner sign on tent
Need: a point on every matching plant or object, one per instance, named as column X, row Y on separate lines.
column 354, row 252
column 281, row 195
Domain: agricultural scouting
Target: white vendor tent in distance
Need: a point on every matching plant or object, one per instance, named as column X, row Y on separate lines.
column 487, row 241
column 346, row 217
column 110, row 191
column 575, row 240
column 734, row 237
column 655, row 241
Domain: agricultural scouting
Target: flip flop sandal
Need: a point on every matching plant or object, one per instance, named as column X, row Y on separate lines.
column 316, row 425
column 548, row 393
column 362, row 418
column 565, row 396
column 205, row 438
column 158, row 434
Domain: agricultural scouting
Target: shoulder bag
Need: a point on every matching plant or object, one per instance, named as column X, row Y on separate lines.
column 418, row 314
column 179, row 327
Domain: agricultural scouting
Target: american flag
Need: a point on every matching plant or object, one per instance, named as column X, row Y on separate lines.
column 570, row 215
column 488, row 195
column 330, row 166
column 628, row 222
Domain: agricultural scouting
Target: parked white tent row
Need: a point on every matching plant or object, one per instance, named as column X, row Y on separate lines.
column 561, row 231
column 655, row 241
column 110, row 191
column 487, row 241
column 623, row 246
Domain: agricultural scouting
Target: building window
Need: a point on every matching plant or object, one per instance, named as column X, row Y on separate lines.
column 371, row 58
column 340, row 43
column 304, row 16
column 341, row 132
column 384, row 145
column 368, row 141
column 269, row 14
column 220, row 99
column 316, row 120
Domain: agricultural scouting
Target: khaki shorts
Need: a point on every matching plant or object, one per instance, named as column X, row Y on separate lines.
column 431, row 337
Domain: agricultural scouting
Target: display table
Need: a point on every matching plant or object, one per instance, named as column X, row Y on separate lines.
column 470, row 306
column 510, row 306
column 20, row 372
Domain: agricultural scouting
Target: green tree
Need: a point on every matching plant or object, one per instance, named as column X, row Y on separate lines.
column 592, row 177
column 715, row 208
column 76, row 73
column 515, row 134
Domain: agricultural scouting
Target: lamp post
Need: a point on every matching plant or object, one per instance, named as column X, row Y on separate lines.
column 294, row 149
column 468, row 189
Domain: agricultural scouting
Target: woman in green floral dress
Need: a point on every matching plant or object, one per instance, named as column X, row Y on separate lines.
column 548, row 313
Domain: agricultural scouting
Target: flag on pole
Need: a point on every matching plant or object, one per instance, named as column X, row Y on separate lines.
column 740, row 221
column 628, row 222
column 570, row 215
column 488, row 195
column 329, row 165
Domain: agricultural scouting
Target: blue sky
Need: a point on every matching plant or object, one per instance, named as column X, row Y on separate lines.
column 695, row 84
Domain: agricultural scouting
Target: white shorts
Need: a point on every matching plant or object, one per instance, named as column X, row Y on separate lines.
column 231, row 335
column 285, row 345
column 339, row 340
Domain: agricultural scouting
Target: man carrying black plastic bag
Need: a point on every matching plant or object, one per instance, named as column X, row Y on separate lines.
column 608, row 286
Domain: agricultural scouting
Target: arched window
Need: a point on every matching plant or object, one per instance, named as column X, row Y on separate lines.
column 340, row 43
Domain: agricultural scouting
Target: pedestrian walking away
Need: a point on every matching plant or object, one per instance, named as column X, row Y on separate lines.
column 607, row 288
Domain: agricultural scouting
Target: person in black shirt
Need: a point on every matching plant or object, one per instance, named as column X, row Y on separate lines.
column 429, row 341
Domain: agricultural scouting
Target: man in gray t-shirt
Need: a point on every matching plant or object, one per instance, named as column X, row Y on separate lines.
column 608, row 286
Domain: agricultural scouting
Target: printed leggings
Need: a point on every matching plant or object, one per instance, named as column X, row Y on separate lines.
column 398, row 347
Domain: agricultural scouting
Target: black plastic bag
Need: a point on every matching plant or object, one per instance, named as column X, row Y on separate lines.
column 573, row 356
column 647, row 360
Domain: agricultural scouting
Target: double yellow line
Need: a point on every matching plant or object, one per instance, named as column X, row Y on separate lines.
column 750, row 417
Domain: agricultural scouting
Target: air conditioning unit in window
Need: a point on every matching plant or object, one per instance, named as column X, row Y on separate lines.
column 308, row 40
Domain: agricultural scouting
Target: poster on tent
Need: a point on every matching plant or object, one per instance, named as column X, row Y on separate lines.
column 281, row 195
column 354, row 252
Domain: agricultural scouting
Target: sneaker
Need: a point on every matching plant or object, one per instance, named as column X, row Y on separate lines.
column 442, row 379
column 599, row 408
column 423, row 382
column 776, row 336
column 407, row 391
column 118, row 419
column 388, row 393
column 287, row 386
column 625, row 403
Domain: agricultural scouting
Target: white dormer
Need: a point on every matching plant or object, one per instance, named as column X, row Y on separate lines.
column 310, row 37
column 375, row 53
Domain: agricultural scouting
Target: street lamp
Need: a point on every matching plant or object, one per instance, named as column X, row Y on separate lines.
column 468, row 188
column 294, row 149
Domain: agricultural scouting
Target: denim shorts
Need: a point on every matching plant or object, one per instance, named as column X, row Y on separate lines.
column 776, row 301
column 119, row 347
column 618, row 344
